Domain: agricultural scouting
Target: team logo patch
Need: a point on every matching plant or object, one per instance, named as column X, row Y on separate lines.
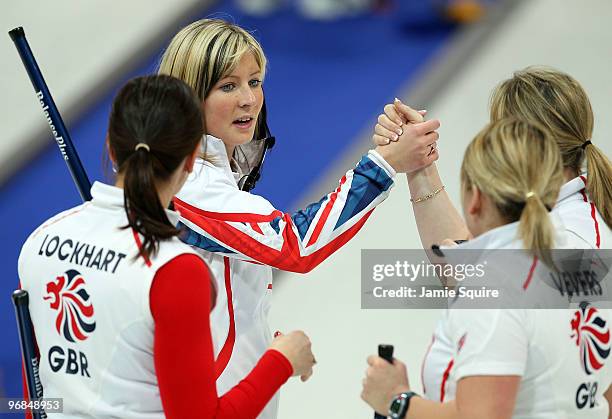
column 68, row 296
column 592, row 336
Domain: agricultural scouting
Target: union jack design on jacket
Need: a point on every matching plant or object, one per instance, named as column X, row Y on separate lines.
column 242, row 236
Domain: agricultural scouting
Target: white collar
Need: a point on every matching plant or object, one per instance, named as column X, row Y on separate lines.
column 109, row 196
column 570, row 188
column 214, row 148
column 506, row 236
column 497, row 238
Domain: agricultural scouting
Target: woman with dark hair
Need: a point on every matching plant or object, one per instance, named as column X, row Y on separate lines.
column 119, row 304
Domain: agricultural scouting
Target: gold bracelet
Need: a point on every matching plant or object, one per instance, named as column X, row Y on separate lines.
column 428, row 196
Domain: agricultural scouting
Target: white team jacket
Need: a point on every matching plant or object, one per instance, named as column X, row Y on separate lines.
column 585, row 228
column 580, row 217
column 89, row 303
column 241, row 236
column 562, row 356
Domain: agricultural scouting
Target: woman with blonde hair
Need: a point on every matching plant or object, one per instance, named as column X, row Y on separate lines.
column 508, row 362
column 557, row 101
column 241, row 235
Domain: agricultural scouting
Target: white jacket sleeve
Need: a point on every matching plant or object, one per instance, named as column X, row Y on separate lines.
column 488, row 342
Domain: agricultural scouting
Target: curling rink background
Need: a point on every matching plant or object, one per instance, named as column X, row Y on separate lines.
column 572, row 36
column 318, row 76
column 461, row 69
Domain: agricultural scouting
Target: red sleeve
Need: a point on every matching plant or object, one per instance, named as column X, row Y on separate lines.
column 183, row 350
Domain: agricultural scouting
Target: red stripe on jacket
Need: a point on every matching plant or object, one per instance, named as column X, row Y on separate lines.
column 140, row 250
column 530, row 275
column 593, row 214
column 445, row 379
column 256, row 228
column 237, row 217
column 288, row 258
column 325, row 213
column 226, row 352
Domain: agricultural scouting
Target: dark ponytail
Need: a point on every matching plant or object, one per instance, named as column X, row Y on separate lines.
column 155, row 123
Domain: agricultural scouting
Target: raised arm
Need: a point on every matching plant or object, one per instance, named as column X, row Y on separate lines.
column 247, row 226
column 436, row 216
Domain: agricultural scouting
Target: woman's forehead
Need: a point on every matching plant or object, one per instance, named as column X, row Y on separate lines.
column 246, row 66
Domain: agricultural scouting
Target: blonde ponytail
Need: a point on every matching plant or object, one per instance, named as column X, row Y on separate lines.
column 536, row 230
column 557, row 101
column 517, row 164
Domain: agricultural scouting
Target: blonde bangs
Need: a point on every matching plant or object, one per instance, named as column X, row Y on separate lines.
column 205, row 51
column 230, row 49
